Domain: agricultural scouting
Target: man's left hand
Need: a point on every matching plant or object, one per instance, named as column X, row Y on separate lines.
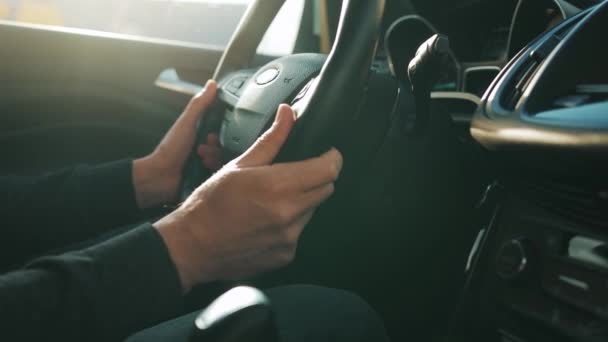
column 157, row 177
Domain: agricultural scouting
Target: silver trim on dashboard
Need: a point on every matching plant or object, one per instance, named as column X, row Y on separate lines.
column 457, row 95
column 169, row 80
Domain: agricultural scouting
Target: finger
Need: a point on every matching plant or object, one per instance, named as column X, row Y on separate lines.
column 179, row 138
column 213, row 139
column 294, row 231
column 284, row 251
column 266, row 148
column 212, row 164
column 211, row 157
column 205, row 151
column 201, row 101
column 309, row 174
column 310, row 200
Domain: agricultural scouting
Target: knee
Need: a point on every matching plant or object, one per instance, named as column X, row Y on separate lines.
column 303, row 313
column 316, row 300
column 306, row 313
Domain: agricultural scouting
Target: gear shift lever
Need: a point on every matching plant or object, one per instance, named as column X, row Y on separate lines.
column 424, row 71
column 239, row 315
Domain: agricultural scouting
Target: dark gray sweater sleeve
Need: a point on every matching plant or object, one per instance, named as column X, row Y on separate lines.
column 54, row 210
column 102, row 293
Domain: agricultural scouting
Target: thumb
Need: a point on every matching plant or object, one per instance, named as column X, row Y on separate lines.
column 267, row 147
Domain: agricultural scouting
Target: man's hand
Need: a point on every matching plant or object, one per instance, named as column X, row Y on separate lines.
column 211, row 153
column 157, row 177
column 248, row 217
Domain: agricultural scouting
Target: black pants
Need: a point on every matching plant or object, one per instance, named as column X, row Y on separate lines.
column 303, row 314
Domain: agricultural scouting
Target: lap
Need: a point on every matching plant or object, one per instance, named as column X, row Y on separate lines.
column 303, row 313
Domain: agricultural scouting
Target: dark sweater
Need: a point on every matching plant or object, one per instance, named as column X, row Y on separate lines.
column 102, row 293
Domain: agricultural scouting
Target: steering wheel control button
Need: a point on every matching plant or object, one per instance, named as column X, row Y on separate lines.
column 267, row 76
column 303, row 92
column 236, row 84
column 512, row 260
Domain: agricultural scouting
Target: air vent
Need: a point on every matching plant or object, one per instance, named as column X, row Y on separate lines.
column 519, row 83
column 586, row 205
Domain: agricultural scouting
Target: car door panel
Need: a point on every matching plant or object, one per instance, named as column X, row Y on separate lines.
column 71, row 96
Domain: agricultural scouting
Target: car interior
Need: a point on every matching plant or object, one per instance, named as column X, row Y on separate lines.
column 473, row 203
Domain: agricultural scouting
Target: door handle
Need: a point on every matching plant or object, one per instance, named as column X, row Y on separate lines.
column 169, row 80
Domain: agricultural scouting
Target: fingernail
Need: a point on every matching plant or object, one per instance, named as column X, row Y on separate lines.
column 337, row 155
column 293, row 112
column 289, row 108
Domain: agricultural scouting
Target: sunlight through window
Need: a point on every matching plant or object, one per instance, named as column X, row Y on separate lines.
column 207, row 22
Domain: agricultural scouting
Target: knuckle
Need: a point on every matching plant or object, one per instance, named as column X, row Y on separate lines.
column 283, row 214
column 232, row 177
column 290, row 238
column 237, row 164
column 282, row 217
column 266, row 140
column 197, row 100
column 275, row 187
column 230, row 173
column 287, row 256
column 198, row 96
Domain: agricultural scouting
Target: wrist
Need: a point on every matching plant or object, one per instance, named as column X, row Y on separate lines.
column 183, row 250
column 154, row 185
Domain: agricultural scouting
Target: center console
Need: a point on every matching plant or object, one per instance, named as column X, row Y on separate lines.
column 535, row 277
column 539, row 268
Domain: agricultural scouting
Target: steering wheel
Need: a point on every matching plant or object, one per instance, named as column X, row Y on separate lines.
column 324, row 90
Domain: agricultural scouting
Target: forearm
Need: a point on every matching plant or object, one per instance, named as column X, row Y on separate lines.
column 153, row 184
column 117, row 288
column 63, row 207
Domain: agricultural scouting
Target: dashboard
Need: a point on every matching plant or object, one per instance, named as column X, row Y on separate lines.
column 484, row 36
column 539, row 268
column 535, row 74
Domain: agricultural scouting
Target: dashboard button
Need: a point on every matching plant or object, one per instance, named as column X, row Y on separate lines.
column 513, row 259
column 235, row 85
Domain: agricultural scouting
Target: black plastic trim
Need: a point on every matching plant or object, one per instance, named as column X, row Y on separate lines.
column 498, row 127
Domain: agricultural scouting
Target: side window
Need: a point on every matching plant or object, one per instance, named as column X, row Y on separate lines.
column 202, row 22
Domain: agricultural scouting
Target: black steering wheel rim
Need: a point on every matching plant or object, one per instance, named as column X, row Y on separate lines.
column 334, row 86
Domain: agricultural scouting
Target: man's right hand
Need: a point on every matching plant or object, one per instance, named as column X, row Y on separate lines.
column 248, row 217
